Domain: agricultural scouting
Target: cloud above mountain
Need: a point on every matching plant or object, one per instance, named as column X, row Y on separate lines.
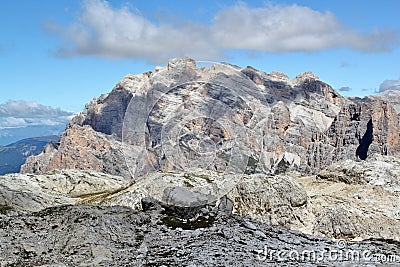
column 18, row 113
column 292, row 28
column 345, row 89
column 389, row 85
column 105, row 31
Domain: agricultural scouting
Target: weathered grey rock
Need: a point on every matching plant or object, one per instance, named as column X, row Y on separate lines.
column 377, row 170
column 188, row 207
column 392, row 97
column 149, row 203
column 277, row 200
column 309, row 204
column 183, row 197
column 354, row 200
column 34, row 192
column 249, row 225
column 183, row 203
column 225, row 206
column 119, row 236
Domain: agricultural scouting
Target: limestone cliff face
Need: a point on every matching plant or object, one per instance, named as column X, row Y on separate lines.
column 366, row 126
column 393, row 97
column 221, row 118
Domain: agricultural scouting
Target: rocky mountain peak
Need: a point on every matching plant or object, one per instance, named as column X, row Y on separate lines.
column 279, row 76
column 185, row 62
column 180, row 116
column 307, row 75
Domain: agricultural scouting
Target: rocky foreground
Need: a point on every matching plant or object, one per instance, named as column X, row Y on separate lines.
column 85, row 218
column 119, row 236
column 349, row 200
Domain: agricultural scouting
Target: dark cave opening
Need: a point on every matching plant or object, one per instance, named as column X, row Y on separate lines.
column 365, row 142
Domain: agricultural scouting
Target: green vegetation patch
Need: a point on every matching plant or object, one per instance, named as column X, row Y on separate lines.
column 200, row 222
column 5, row 208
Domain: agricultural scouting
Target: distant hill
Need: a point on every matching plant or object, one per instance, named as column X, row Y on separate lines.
column 14, row 155
column 12, row 135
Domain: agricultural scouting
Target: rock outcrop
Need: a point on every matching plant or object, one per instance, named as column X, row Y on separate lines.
column 81, row 148
column 377, row 170
column 392, row 97
column 222, row 118
column 27, row 192
column 349, row 200
column 120, row 236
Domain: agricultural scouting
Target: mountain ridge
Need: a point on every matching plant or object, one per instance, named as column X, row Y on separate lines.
column 301, row 123
column 12, row 156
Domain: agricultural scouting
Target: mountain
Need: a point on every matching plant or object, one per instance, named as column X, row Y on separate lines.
column 14, row 134
column 393, row 97
column 14, row 155
column 222, row 118
column 211, row 166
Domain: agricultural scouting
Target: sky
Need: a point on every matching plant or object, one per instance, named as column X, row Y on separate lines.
column 57, row 55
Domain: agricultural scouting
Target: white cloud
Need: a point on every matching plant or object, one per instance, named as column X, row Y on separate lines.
column 30, row 109
column 279, row 29
column 389, row 85
column 12, row 122
column 345, row 89
column 119, row 33
column 104, row 31
column 17, row 113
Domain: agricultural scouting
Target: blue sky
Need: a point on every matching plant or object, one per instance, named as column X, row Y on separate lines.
column 63, row 53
